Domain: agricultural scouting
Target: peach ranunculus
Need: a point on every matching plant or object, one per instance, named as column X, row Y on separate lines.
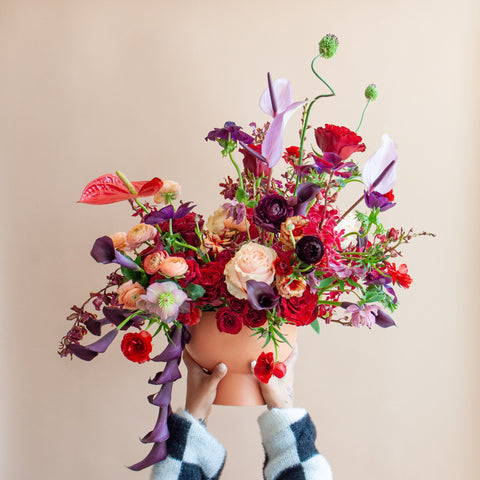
column 295, row 226
column 169, row 190
column 173, row 267
column 215, row 222
column 152, row 262
column 128, row 294
column 288, row 287
column 252, row 262
column 119, row 240
column 139, row 234
column 231, row 224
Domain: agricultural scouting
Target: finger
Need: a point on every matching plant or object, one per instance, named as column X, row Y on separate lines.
column 190, row 363
column 292, row 358
column 219, row 372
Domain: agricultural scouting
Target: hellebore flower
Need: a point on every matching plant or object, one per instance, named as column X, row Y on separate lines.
column 377, row 200
column 272, row 210
column 309, row 249
column 338, row 140
column 265, row 367
column 163, row 299
column 379, row 173
column 277, row 101
column 230, row 131
column 261, row 295
column 103, row 251
column 110, row 189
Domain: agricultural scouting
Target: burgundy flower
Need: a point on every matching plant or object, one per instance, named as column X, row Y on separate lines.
column 265, row 367
column 300, row 310
column 254, row 318
column 282, row 263
column 309, row 249
column 252, row 162
column 191, row 316
column 211, row 280
column 228, row 321
column 272, row 210
column 261, row 295
column 230, row 131
column 339, row 140
column 137, row 346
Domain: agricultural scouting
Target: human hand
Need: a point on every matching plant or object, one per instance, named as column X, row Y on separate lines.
column 278, row 392
column 201, row 387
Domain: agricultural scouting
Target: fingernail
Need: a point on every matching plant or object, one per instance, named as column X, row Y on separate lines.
column 254, row 362
column 222, row 367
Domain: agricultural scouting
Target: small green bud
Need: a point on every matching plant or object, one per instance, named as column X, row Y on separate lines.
column 371, row 92
column 328, row 45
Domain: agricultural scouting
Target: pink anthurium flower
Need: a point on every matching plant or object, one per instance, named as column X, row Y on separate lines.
column 276, row 101
column 379, row 173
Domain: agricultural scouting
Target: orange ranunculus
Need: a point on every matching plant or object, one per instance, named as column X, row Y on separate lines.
column 119, row 240
column 169, row 189
column 139, row 234
column 152, row 262
column 128, row 294
column 173, row 267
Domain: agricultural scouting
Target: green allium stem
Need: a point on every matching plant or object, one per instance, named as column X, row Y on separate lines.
column 363, row 113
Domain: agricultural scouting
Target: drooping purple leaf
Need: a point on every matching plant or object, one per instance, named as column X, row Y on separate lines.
column 163, row 215
column 170, row 374
column 160, row 431
column 183, row 210
column 163, row 397
column 157, row 454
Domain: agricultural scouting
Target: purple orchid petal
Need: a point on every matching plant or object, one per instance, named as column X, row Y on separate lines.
column 383, row 320
column 103, row 250
column 163, row 215
column 170, row 374
column 183, row 210
column 157, row 454
column 160, row 431
column 126, row 262
column 261, row 295
column 89, row 352
column 163, row 397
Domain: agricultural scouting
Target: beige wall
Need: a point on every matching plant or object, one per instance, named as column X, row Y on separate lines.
column 91, row 86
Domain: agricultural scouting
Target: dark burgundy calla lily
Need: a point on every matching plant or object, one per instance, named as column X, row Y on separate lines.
column 89, row 352
column 261, row 295
column 157, row 454
column 306, row 192
column 118, row 315
column 103, row 251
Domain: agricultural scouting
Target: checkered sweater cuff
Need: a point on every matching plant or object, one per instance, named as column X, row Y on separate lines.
column 288, row 437
column 193, row 454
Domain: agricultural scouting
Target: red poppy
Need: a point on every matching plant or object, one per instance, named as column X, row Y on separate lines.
column 339, row 140
column 137, row 346
column 266, row 367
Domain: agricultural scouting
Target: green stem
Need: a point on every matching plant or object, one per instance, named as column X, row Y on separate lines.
column 363, row 113
column 237, row 168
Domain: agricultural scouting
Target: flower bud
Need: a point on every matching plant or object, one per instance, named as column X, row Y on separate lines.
column 328, row 45
column 371, row 92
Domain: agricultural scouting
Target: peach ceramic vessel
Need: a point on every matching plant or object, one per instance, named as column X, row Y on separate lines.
column 209, row 346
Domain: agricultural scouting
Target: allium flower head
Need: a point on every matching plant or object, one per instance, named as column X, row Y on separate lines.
column 328, row 45
column 371, row 92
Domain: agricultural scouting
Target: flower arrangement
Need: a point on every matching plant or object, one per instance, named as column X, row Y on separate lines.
column 278, row 250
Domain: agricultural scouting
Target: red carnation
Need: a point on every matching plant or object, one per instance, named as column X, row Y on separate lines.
column 300, row 310
column 228, row 321
column 339, row 140
column 137, row 346
column 266, row 367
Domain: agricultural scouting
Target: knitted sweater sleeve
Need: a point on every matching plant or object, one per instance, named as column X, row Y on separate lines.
column 192, row 453
column 288, row 437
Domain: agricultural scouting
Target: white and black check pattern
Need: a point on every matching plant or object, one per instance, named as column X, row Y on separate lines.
column 193, row 454
column 288, row 437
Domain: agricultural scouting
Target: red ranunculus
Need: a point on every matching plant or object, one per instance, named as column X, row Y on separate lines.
column 339, row 140
column 228, row 321
column 282, row 263
column 137, row 346
column 300, row 310
column 399, row 276
column 255, row 318
column 266, row 367
column 192, row 317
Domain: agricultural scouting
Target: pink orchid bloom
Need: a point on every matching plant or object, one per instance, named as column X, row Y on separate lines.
column 364, row 316
column 277, row 102
column 379, row 173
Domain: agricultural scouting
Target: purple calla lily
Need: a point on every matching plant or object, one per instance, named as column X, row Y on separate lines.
column 277, row 101
column 103, row 251
column 89, row 352
column 383, row 320
column 377, row 200
column 160, row 432
column 306, row 192
column 261, row 295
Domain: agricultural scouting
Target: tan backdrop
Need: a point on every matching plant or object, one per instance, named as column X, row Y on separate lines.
column 91, row 86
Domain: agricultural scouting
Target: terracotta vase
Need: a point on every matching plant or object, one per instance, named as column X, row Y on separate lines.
column 208, row 347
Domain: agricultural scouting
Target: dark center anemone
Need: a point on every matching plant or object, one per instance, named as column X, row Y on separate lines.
column 309, row 249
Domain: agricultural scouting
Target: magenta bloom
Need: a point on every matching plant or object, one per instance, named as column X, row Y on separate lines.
column 362, row 316
column 277, row 102
column 379, row 173
column 163, row 299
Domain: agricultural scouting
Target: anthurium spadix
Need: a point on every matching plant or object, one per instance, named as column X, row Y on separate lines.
column 380, row 172
column 277, row 101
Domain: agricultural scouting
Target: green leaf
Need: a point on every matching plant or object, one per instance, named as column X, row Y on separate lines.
column 341, row 284
column 316, row 325
column 241, row 195
column 326, row 282
column 195, row 291
column 135, row 276
column 282, row 336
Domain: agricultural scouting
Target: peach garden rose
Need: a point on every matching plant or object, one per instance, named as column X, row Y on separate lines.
column 252, row 262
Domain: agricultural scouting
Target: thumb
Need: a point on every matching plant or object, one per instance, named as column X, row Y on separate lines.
column 218, row 373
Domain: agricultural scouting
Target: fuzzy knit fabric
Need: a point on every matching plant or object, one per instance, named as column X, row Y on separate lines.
column 288, row 437
column 193, row 454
